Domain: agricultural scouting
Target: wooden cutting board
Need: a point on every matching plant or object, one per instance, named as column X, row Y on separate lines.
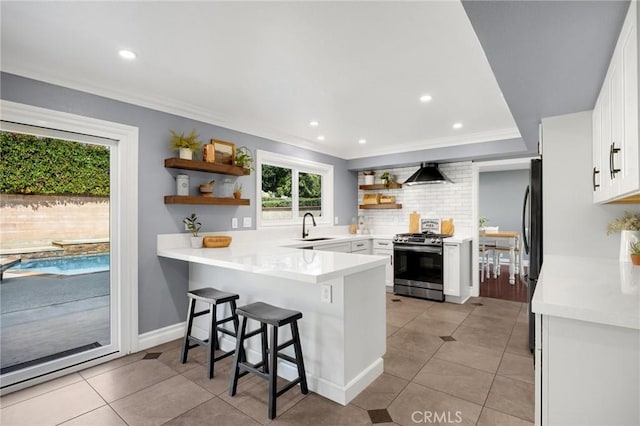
column 447, row 226
column 414, row 222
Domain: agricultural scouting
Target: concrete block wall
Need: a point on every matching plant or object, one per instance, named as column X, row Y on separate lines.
column 451, row 200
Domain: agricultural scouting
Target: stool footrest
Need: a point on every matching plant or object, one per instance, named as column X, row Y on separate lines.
column 227, row 332
column 222, row 321
column 253, row 333
column 224, row 355
column 288, row 386
column 255, row 371
column 285, row 344
column 288, row 358
column 197, row 314
column 199, row 342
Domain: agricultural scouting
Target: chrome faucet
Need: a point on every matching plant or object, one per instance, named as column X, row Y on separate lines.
column 304, row 218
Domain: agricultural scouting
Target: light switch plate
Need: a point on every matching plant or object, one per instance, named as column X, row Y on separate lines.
column 335, row 220
column 246, row 222
column 325, row 293
column 234, row 223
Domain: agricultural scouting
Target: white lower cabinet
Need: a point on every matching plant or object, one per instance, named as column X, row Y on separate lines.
column 361, row 246
column 337, row 247
column 385, row 248
column 586, row 373
column 457, row 271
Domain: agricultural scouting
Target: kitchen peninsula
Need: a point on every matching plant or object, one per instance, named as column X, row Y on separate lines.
column 341, row 297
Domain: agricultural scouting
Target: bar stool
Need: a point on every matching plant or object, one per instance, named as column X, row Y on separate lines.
column 276, row 317
column 213, row 298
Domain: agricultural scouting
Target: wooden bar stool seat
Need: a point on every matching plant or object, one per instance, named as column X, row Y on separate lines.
column 213, row 298
column 275, row 317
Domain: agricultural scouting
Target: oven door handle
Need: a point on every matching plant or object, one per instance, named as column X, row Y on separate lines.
column 419, row 249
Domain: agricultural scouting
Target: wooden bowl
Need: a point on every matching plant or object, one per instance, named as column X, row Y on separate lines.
column 216, row 241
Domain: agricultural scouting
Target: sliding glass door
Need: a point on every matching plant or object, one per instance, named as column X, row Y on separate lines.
column 59, row 298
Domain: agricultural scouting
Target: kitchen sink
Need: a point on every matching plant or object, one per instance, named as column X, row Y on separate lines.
column 318, row 239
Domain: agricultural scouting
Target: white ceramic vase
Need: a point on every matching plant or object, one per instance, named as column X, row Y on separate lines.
column 196, row 242
column 626, row 238
column 186, row 154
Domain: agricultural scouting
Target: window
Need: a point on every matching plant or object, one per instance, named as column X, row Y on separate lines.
column 291, row 187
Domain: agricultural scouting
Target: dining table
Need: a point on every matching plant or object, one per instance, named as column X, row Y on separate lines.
column 505, row 241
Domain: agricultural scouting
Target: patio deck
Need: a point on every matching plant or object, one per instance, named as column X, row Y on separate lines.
column 41, row 315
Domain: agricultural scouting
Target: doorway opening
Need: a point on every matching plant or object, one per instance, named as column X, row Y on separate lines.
column 500, row 260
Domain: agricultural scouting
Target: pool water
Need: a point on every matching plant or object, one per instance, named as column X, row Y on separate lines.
column 71, row 265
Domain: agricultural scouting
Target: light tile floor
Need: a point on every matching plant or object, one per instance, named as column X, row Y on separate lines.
column 464, row 364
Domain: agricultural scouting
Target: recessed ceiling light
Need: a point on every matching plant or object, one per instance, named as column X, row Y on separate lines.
column 362, row 141
column 425, row 98
column 320, row 138
column 127, row 54
column 457, row 126
column 313, row 123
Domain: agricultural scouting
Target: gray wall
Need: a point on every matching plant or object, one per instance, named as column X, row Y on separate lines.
column 573, row 225
column 163, row 282
column 501, row 196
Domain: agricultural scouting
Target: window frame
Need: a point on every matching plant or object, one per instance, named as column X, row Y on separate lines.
column 297, row 165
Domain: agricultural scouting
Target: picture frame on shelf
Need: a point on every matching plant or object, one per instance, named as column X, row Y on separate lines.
column 225, row 152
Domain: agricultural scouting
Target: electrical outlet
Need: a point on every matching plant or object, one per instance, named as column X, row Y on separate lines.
column 234, row 223
column 335, row 220
column 246, row 222
column 325, row 293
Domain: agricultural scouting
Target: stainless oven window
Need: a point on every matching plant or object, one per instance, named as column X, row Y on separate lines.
column 418, row 263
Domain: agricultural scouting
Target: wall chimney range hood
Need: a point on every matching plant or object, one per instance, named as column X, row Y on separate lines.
column 427, row 173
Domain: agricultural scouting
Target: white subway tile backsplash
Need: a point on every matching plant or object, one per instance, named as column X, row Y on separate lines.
column 445, row 201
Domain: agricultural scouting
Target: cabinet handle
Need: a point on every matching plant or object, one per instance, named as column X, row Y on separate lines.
column 595, row 172
column 613, row 151
column 383, row 244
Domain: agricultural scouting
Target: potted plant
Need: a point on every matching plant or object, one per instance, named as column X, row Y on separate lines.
column 237, row 191
column 369, row 177
column 387, row 178
column 482, row 220
column 629, row 227
column 634, row 250
column 244, row 159
column 187, row 145
column 193, row 226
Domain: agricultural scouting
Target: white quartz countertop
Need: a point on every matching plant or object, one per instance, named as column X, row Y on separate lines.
column 274, row 260
column 603, row 291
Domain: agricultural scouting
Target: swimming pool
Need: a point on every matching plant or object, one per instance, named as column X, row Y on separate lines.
column 71, row 265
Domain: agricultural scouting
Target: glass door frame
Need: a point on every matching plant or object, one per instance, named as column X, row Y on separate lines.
column 123, row 143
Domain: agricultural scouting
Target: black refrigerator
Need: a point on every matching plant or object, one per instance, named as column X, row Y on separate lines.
column 532, row 235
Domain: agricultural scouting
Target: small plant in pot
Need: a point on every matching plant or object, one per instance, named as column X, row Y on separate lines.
column 193, row 225
column 629, row 227
column 387, row 178
column 244, row 159
column 634, row 250
column 186, row 145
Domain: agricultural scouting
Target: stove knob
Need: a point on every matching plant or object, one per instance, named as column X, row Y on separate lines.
column 433, row 240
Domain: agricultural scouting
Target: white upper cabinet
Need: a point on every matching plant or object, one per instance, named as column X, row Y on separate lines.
column 616, row 157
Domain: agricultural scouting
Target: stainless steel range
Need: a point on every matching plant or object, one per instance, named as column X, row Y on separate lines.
column 418, row 269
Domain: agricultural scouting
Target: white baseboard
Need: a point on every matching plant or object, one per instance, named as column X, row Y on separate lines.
column 160, row 336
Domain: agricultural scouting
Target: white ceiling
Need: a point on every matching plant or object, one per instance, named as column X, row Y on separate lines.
column 270, row 68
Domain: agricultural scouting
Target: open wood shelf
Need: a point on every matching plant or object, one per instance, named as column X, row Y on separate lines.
column 380, row 206
column 203, row 166
column 381, row 186
column 190, row 199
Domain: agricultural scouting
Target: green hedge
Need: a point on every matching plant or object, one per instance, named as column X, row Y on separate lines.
column 33, row 165
column 281, row 202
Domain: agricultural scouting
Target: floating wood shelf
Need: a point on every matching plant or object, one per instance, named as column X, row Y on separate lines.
column 380, row 206
column 190, row 199
column 381, row 186
column 203, row 166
